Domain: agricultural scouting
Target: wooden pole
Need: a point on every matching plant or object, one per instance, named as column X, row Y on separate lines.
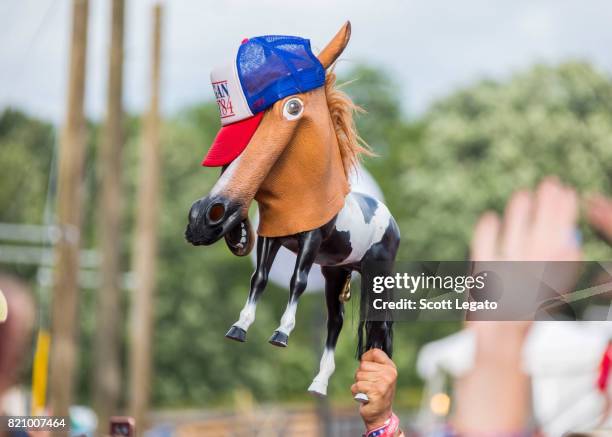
column 107, row 374
column 69, row 203
column 145, row 248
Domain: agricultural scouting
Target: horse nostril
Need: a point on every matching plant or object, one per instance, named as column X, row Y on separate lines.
column 215, row 213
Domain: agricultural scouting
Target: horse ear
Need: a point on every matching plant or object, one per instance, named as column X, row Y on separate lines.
column 336, row 46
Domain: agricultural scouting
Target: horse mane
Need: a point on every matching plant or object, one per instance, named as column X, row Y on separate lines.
column 342, row 108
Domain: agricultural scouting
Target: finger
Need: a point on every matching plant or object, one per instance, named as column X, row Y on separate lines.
column 555, row 225
column 547, row 194
column 368, row 355
column 595, row 210
column 378, row 356
column 517, row 218
column 604, row 204
column 371, row 366
column 484, row 241
column 569, row 222
column 566, row 210
column 363, row 387
column 549, row 210
column 371, row 376
column 572, row 207
column 599, row 213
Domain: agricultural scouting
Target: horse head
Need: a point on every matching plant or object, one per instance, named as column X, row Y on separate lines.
column 254, row 151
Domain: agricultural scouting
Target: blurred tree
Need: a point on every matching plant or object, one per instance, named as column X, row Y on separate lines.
column 487, row 140
column 26, row 150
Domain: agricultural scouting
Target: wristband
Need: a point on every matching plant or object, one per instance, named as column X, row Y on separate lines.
column 390, row 427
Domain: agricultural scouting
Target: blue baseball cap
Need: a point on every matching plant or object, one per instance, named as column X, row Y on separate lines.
column 267, row 69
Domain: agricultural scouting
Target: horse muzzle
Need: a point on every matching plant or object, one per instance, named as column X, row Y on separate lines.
column 216, row 217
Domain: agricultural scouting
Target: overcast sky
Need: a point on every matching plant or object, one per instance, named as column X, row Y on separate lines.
column 430, row 47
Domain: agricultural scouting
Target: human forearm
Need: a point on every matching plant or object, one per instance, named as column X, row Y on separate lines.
column 495, row 395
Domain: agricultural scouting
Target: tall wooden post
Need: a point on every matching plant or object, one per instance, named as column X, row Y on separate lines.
column 145, row 249
column 107, row 374
column 69, row 204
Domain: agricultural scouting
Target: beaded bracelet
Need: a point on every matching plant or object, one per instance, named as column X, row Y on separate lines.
column 389, row 428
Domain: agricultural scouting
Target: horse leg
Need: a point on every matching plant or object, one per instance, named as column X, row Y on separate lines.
column 266, row 252
column 335, row 279
column 308, row 247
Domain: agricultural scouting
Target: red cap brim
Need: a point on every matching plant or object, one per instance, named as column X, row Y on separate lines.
column 231, row 140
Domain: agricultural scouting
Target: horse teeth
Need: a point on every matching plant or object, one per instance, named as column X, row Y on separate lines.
column 243, row 240
column 244, row 232
column 239, row 245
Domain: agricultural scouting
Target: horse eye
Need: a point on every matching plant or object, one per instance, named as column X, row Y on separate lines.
column 293, row 109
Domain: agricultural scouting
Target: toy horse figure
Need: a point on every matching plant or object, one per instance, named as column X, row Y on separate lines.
column 289, row 141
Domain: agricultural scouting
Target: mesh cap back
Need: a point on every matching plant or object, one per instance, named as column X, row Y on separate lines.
column 272, row 67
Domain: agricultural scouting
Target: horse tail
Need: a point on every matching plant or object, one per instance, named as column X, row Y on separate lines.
column 375, row 334
column 360, row 335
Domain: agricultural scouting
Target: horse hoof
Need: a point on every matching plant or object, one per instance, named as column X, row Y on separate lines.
column 318, row 388
column 237, row 334
column 279, row 339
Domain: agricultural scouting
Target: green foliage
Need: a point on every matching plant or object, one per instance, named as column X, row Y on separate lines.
column 26, row 150
column 483, row 142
